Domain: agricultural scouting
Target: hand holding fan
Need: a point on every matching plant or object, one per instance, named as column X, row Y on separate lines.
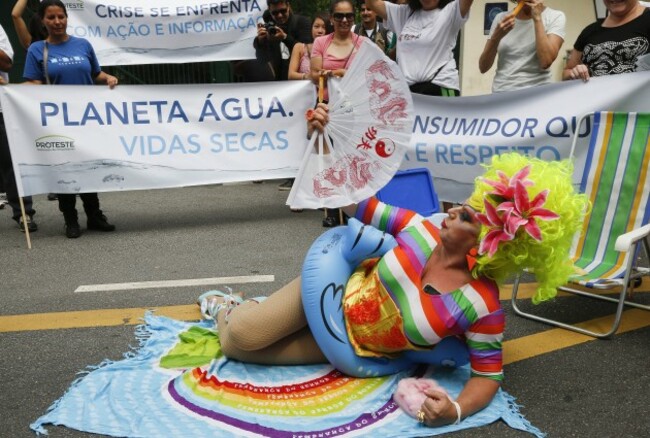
column 362, row 146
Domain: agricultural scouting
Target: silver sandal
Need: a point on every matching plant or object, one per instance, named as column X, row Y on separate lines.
column 210, row 308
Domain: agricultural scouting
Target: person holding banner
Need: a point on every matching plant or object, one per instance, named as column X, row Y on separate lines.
column 62, row 59
column 527, row 44
column 27, row 35
column 611, row 45
column 426, row 36
column 434, row 285
column 7, row 176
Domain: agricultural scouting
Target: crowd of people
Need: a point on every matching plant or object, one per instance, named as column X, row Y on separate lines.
column 419, row 34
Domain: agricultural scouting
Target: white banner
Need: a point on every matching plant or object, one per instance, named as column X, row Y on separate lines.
column 70, row 139
column 84, row 139
column 125, row 32
column 452, row 137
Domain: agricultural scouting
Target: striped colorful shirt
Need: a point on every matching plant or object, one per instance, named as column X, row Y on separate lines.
column 472, row 312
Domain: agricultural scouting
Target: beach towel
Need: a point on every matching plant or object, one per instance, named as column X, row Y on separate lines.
column 176, row 384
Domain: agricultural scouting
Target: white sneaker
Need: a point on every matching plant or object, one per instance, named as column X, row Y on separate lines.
column 3, row 200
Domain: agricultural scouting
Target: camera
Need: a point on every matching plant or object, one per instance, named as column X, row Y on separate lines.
column 271, row 28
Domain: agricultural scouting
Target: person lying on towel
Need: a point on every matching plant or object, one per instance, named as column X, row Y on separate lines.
column 392, row 290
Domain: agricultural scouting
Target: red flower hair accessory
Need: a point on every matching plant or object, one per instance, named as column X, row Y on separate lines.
column 509, row 208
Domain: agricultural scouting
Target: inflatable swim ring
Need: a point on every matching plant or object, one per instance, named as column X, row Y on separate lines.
column 328, row 265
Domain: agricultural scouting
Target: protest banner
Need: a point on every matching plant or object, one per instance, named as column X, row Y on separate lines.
column 72, row 139
column 453, row 137
column 85, row 139
column 126, row 32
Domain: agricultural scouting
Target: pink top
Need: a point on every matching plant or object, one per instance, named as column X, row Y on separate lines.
column 305, row 60
column 331, row 62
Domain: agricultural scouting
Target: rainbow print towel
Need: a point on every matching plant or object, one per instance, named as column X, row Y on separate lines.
column 172, row 387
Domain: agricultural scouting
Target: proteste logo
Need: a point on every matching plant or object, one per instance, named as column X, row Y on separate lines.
column 76, row 5
column 54, row 143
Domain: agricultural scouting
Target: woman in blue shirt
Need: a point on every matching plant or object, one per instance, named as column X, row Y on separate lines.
column 62, row 59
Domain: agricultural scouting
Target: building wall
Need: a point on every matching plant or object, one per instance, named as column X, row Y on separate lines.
column 579, row 13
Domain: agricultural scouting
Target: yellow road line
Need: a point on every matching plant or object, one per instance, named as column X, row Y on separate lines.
column 556, row 339
column 514, row 350
column 527, row 290
column 92, row 318
column 131, row 316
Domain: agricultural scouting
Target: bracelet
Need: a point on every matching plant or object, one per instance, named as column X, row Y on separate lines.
column 458, row 411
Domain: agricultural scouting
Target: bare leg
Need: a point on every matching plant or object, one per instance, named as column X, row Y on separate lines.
column 272, row 332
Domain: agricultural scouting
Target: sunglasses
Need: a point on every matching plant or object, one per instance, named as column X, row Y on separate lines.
column 339, row 16
column 282, row 11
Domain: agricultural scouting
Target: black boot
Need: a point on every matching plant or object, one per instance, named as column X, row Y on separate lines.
column 72, row 229
column 97, row 221
column 332, row 218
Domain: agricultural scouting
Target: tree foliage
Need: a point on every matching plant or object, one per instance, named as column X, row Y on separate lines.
column 310, row 8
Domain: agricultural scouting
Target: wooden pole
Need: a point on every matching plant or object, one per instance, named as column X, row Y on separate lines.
column 321, row 88
column 22, row 211
column 321, row 98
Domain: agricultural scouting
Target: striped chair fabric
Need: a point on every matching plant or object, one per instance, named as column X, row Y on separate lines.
column 616, row 180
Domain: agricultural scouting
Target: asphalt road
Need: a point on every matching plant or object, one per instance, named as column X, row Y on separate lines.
column 587, row 389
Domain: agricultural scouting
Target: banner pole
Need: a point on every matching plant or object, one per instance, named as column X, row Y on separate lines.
column 22, row 211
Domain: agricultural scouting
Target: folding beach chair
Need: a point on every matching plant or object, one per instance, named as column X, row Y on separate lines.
column 607, row 249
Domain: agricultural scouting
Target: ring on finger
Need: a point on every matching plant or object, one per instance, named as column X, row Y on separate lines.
column 420, row 416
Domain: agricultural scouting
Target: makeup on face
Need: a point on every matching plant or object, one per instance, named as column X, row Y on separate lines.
column 467, row 214
column 465, row 217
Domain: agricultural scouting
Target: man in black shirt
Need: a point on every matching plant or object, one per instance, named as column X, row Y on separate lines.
column 277, row 35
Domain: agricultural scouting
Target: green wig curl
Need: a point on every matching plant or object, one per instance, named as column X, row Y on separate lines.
column 547, row 258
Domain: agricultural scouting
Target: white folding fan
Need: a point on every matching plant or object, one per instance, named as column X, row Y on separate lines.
column 370, row 123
